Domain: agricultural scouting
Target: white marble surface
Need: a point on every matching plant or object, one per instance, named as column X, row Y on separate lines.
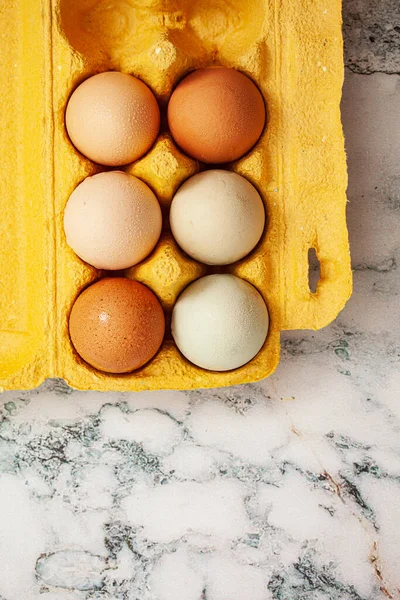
column 286, row 490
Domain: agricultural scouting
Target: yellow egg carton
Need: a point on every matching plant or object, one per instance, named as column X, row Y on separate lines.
column 291, row 48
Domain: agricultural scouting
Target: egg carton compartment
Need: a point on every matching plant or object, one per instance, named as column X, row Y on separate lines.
column 292, row 49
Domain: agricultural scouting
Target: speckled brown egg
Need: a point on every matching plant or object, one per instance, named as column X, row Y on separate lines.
column 117, row 325
column 113, row 118
column 216, row 115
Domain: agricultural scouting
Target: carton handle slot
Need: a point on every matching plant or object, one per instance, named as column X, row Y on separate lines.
column 324, row 283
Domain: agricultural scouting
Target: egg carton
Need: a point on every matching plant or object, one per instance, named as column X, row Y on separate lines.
column 292, row 49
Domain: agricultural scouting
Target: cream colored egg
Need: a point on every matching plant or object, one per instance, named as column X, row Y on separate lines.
column 220, row 322
column 217, row 217
column 112, row 220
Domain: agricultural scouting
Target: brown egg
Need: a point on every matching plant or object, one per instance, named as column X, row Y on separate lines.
column 216, row 114
column 112, row 118
column 117, row 325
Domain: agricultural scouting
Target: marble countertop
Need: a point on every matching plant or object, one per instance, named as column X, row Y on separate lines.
column 288, row 489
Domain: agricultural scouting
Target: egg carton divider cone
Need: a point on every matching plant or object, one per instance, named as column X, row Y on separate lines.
column 292, row 49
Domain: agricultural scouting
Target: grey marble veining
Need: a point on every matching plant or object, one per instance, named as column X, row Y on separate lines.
column 284, row 490
column 372, row 36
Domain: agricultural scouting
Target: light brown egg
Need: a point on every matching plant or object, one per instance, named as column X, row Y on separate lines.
column 113, row 118
column 216, row 115
column 117, row 325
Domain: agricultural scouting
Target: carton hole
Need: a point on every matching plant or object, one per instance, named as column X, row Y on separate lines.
column 314, row 270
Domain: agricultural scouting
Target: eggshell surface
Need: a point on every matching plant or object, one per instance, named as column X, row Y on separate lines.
column 217, row 217
column 216, row 114
column 220, row 322
column 117, row 325
column 112, row 118
column 112, row 220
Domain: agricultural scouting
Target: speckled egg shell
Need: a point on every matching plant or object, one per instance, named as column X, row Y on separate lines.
column 117, row 325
